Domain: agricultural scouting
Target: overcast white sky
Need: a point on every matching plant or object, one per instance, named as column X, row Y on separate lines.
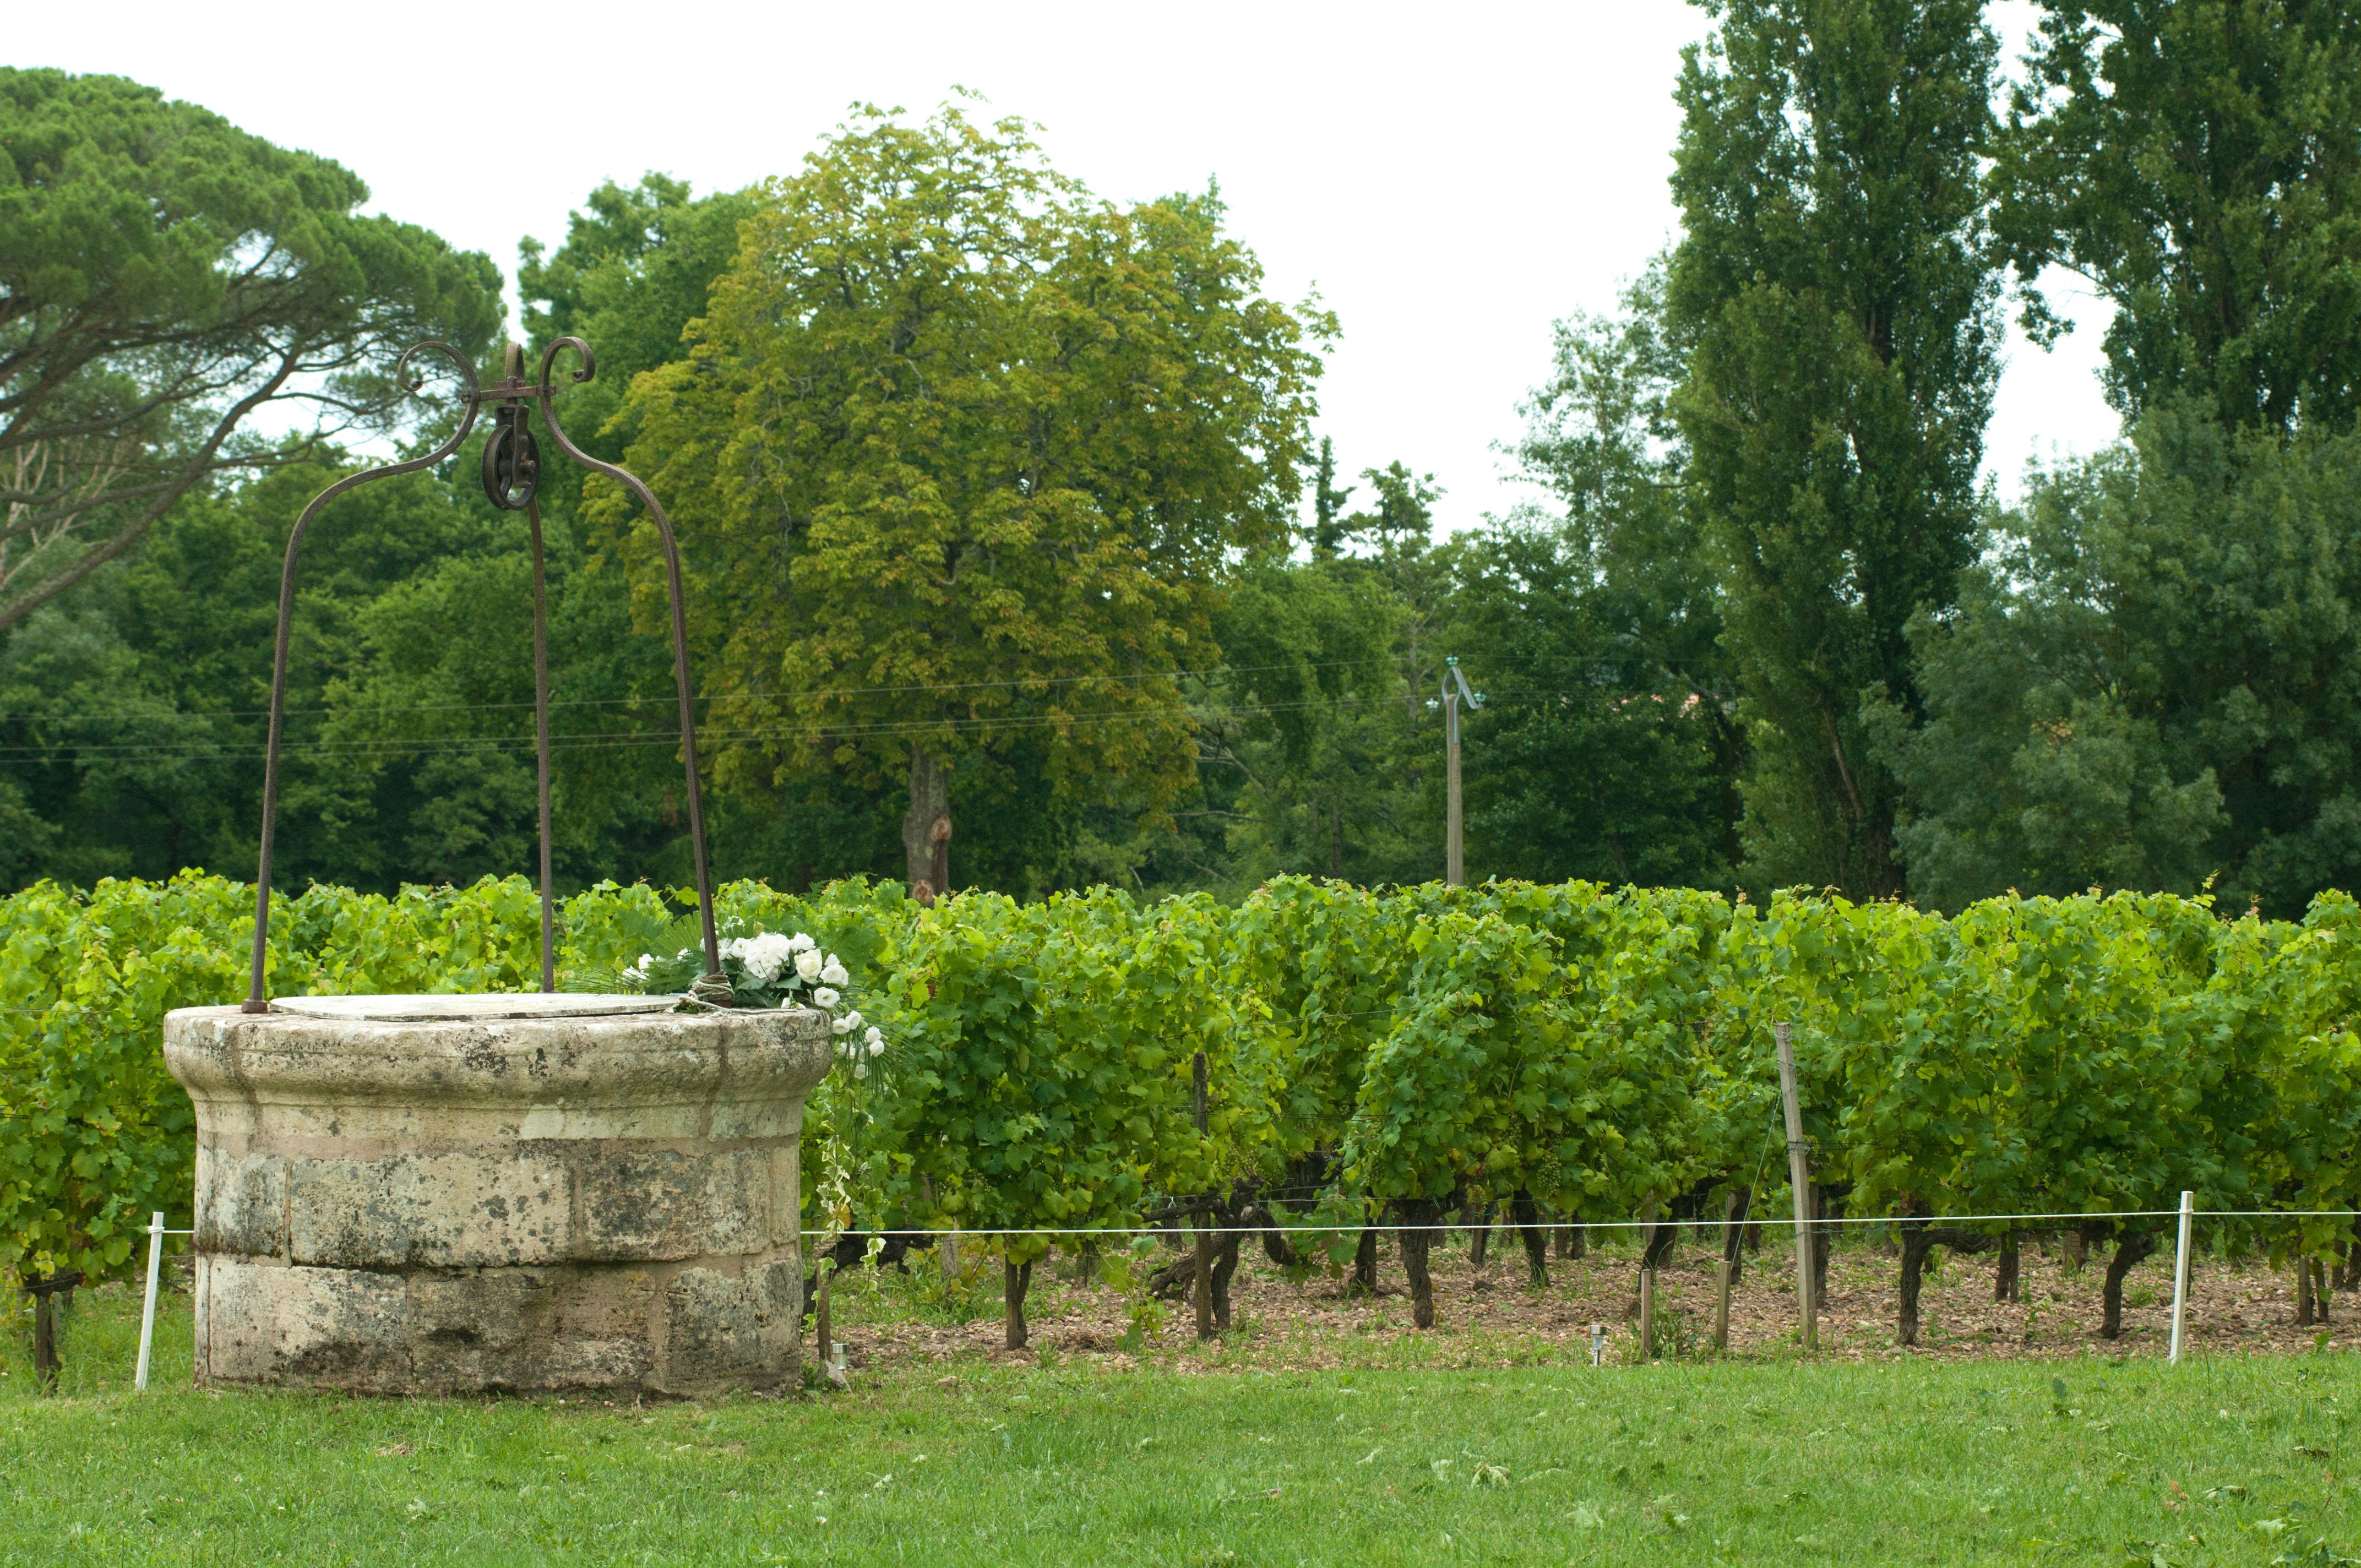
column 1450, row 178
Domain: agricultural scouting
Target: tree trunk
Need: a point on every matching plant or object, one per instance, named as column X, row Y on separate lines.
column 1364, row 1266
column 2004, row 1277
column 1414, row 1238
column 45, row 1343
column 1826, row 1205
column 930, row 804
column 1200, row 1272
column 1225, row 1264
column 1917, row 1240
column 1657, row 1242
column 2302, row 1291
column 2130, row 1252
column 1733, row 1234
column 1015, row 1281
column 2320, row 1290
column 1659, row 1239
column 1528, row 1217
column 1276, row 1247
column 1483, row 1222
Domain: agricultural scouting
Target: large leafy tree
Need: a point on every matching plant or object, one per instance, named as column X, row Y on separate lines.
column 1608, row 750
column 1838, row 313
column 960, row 453
column 165, row 280
column 2199, row 162
column 2152, row 682
column 2148, row 684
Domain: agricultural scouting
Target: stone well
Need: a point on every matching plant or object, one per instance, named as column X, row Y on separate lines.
column 455, row 1194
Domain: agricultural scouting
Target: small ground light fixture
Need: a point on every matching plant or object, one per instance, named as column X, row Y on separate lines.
column 1598, row 1344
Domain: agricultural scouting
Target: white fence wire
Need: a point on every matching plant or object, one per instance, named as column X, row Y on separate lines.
column 2186, row 1215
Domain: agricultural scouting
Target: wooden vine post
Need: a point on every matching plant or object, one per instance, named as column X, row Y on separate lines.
column 1202, row 1282
column 1799, row 1171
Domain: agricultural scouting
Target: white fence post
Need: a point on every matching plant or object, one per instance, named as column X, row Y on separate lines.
column 147, row 1313
column 2181, row 1273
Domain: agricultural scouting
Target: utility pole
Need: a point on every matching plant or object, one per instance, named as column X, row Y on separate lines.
column 1454, row 688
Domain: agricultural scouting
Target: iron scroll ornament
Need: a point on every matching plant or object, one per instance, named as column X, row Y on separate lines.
column 512, row 475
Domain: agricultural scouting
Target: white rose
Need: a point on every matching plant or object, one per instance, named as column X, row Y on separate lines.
column 851, row 1021
column 833, row 971
column 861, row 1070
column 824, row 997
column 808, row 963
column 875, row 1039
column 842, row 1025
column 764, row 957
column 876, row 1047
column 646, row 960
column 801, row 942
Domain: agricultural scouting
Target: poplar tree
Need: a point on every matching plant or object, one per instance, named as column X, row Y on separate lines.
column 2199, row 163
column 1833, row 299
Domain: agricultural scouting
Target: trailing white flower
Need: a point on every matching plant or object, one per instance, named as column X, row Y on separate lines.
column 843, row 1023
column 808, row 963
column 875, row 1039
column 825, row 998
column 801, row 942
column 861, row 1070
column 833, row 971
column 851, row 1019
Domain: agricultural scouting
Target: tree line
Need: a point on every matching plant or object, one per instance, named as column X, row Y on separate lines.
column 1019, row 557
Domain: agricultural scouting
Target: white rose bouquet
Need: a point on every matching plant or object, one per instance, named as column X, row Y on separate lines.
column 767, row 969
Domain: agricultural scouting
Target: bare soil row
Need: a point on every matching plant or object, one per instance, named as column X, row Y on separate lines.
column 1492, row 1315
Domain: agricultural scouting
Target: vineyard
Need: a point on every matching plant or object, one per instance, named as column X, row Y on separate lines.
column 1551, row 1056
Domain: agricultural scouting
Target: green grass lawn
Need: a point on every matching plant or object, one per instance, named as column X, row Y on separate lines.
column 2223, row 1461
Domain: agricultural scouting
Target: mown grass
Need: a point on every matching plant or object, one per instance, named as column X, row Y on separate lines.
column 2232, row 1460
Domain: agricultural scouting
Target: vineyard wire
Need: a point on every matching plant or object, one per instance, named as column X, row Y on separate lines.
column 1549, row 1224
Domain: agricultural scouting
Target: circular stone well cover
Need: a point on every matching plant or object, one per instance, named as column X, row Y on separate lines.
column 427, row 1009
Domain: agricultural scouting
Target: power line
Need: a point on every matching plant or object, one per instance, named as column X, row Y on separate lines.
column 631, row 739
column 667, row 699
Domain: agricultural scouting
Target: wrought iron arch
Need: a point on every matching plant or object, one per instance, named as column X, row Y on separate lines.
column 512, row 475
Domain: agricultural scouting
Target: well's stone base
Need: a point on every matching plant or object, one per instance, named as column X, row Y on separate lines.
column 666, row 1329
column 452, row 1205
